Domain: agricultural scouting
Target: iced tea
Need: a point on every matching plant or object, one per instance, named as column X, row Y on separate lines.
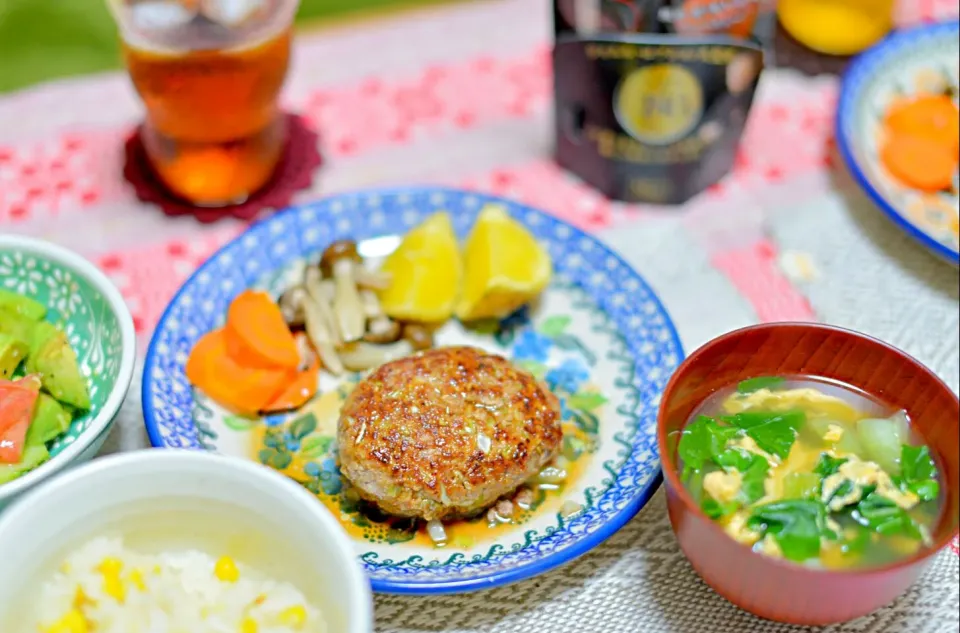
column 213, row 133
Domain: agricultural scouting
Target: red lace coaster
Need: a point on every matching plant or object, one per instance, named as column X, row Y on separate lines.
column 301, row 158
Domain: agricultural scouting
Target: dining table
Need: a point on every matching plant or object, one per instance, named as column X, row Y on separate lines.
column 461, row 95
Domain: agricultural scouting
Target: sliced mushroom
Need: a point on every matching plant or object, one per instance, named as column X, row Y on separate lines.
column 320, row 336
column 328, row 288
column 313, row 282
column 505, row 508
column 419, row 336
column 346, row 303
column 305, row 349
column 371, row 304
column 339, row 261
column 383, row 330
column 372, row 279
column 360, row 356
column 291, row 305
column 341, row 249
column 436, row 532
column 524, row 498
column 380, row 327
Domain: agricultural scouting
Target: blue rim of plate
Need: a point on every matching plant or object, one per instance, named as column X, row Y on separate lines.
column 849, row 92
column 522, row 571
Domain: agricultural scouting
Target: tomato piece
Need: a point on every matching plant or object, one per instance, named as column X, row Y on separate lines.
column 17, row 401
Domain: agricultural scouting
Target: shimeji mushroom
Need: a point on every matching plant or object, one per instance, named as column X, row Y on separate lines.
column 380, row 327
column 419, row 336
column 328, row 288
column 318, row 317
column 337, row 305
column 371, row 304
column 307, row 354
column 436, row 531
column 314, row 283
column 372, row 279
column 360, row 355
column 291, row 306
column 339, row 261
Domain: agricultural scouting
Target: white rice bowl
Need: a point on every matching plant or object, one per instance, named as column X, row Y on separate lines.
column 107, row 587
column 180, row 512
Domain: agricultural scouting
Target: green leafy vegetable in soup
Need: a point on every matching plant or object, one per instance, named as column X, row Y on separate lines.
column 812, row 472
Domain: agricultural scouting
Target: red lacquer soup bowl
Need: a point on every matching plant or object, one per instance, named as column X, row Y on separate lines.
column 776, row 589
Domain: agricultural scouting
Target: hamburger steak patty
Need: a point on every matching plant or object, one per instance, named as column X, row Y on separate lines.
column 445, row 433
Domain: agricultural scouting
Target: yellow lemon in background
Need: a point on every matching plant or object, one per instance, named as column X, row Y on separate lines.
column 425, row 273
column 504, row 267
column 836, row 27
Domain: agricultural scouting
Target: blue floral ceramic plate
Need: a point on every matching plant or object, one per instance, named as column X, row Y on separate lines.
column 599, row 337
column 917, row 60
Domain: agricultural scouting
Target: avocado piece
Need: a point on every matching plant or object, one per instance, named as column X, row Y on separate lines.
column 12, row 352
column 33, row 456
column 41, row 333
column 50, row 420
column 52, row 357
column 16, row 325
column 24, row 306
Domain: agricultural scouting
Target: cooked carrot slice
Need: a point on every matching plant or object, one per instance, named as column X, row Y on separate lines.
column 199, row 359
column 934, row 117
column 298, row 391
column 919, row 162
column 259, row 334
column 242, row 389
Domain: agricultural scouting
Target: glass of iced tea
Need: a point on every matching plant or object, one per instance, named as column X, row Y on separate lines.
column 209, row 73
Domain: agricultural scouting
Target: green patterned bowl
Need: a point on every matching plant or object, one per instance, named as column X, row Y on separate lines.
column 83, row 302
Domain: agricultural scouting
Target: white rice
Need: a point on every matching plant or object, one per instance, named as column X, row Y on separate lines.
column 114, row 589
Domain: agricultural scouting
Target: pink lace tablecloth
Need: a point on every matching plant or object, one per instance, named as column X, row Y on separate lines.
column 460, row 96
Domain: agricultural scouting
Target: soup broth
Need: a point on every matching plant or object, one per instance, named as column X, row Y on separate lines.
column 811, row 471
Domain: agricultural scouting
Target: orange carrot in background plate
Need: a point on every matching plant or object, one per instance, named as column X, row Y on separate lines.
column 919, row 162
column 242, row 389
column 259, row 333
column 933, row 117
column 298, row 391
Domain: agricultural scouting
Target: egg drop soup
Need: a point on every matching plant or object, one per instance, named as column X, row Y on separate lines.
column 811, row 471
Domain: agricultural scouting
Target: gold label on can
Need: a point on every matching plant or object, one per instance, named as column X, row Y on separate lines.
column 659, row 104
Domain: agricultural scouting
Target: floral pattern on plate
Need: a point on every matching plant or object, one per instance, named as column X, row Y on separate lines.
column 599, row 337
